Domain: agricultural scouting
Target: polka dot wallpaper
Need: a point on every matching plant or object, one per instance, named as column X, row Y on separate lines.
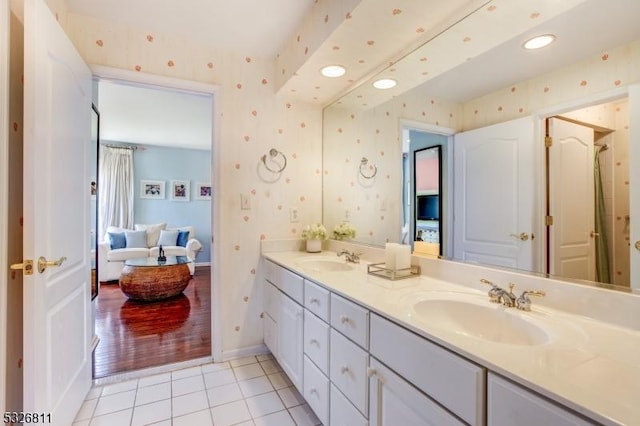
column 253, row 120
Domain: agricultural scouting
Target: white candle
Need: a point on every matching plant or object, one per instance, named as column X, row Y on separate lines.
column 390, row 255
column 403, row 256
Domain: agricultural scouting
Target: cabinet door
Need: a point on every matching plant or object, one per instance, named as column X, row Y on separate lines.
column 290, row 330
column 271, row 334
column 394, row 402
column 509, row 404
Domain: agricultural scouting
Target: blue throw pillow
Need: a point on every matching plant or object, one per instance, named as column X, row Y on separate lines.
column 136, row 239
column 183, row 237
column 117, row 240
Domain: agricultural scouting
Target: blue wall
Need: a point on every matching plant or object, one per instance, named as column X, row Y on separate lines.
column 167, row 164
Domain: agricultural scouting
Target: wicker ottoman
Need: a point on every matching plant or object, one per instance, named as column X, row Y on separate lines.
column 147, row 279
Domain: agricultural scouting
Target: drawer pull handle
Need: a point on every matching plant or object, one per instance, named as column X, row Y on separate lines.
column 314, row 300
column 313, row 341
column 344, row 319
column 313, row 390
column 344, row 369
column 371, row 372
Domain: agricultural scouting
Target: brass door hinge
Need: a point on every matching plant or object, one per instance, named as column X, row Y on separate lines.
column 548, row 141
column 548, row 220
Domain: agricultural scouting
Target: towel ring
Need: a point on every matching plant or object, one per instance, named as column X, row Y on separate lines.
column 273, row 153
column 364, row 163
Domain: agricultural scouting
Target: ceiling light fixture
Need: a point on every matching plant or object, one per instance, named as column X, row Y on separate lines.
column 333, row 71
column 384, row 83
column 539, row 41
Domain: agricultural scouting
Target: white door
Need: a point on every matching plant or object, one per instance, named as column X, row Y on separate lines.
column 571, row 198
column 494, row 194
column 290, row 343
column 634, row 183
column 57, row 311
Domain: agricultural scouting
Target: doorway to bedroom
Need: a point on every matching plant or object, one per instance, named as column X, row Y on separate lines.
column 154, row 185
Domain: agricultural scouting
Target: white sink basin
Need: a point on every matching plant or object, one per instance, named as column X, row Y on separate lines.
column 489, row 322
column 325, row 264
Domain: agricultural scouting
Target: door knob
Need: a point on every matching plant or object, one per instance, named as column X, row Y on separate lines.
column 637, row 245
column 522, row 237
column 43, row 263
column 26, row 266
column 594, row 234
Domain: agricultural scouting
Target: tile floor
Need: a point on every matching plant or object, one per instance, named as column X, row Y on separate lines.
column 247, row 391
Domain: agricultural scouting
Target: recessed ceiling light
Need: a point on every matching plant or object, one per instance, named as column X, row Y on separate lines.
column 384, row 83
column 333, row 71
column 539, row 41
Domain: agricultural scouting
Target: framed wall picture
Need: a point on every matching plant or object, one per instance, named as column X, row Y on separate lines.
column 152, row 189
column 203, row 191
column 180, row 190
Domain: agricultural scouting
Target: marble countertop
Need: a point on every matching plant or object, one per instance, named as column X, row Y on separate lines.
column 590, row 366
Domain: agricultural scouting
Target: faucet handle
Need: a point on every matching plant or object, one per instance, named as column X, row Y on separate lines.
column 494, row 293
column 524, row 303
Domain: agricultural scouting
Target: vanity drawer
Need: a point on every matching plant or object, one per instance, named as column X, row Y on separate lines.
column 348, row 371
column 454, row 382
column 316, row 341
column 316, row 390
column 343, row 413
column 509, row 403
column 271, row 300
column 316, row 299
column 290, row 284
column 350, row 319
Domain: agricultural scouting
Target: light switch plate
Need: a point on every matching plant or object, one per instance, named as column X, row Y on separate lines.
column 294, row 215
column 245, row 202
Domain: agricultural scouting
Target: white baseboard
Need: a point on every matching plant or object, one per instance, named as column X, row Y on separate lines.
column 242, row 352
column 203, row 264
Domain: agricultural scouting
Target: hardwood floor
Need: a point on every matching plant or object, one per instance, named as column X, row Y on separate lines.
column 135, row 335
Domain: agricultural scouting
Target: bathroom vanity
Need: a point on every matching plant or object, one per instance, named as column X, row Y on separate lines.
column 363, row 350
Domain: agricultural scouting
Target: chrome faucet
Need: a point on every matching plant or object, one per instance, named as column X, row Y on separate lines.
column 508, row 299
column 349, row 256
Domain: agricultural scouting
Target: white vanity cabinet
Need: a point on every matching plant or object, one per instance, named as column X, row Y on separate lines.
column 510, row 404
column 290, row 343
column 393, row 401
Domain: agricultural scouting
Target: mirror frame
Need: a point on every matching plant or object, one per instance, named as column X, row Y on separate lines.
column 95, row 138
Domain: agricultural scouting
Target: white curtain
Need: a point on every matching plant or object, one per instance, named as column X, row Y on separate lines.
column 115, row 188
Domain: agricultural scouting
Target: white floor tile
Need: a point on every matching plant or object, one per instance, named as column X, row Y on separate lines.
column 112, row 419
column 224, row 394
column 281, row 418
column 291, row 397
column 116, row 402
column 255, row 386
column 243, row 361
column 230, row 414
column 249, row 371
column 215, row 366
column 82, row 423
column 219, row 378
column 264, row 404
column 279, row 380
column 94, row 393
column 151, row 413
column 190, row 403
column 86, row 410
column 163, row 423
column 304, row 416
column 200, row 418
column 153, row 393
column 154, row 380
column 270, row 366
column 264, row 357
column 187, row 385
column 247, row 423
column 186, row 372
column 119, row 387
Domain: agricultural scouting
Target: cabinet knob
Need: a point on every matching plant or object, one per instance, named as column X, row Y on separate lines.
column 344, row 319
column 313, row 341
column 313, row 390
column 344, row 369
column 371, row 372
column 314, row 300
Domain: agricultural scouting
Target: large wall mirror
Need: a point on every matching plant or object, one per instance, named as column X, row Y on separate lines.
column 585, row 77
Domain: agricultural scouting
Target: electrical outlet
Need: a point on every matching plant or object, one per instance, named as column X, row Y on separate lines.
column 294, row 215
column 347, row 214
column 245, row 202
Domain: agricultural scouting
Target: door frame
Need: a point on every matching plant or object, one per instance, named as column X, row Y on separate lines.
column 126, row 76
column 4, row 190
column 539, row 122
